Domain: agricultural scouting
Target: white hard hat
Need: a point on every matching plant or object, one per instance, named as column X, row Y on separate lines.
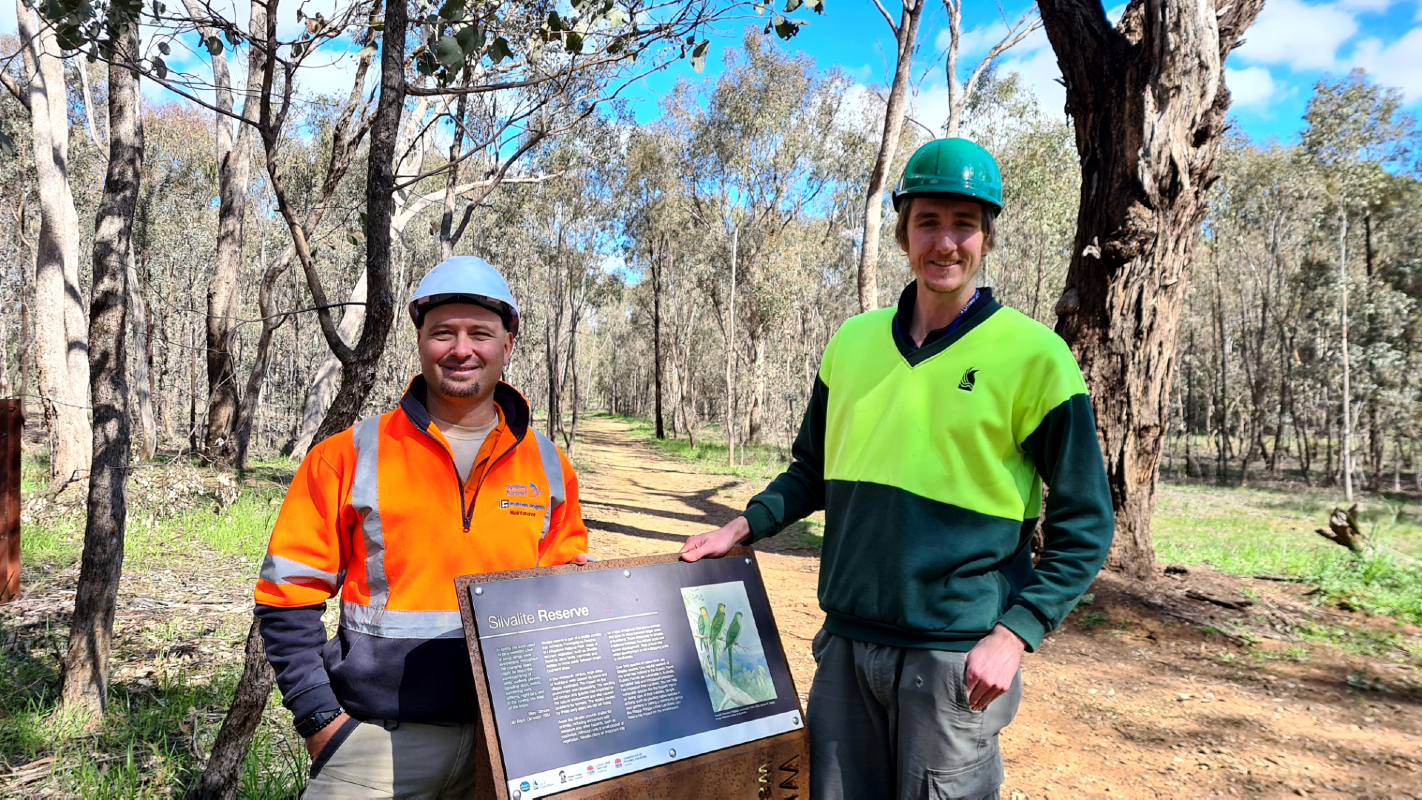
column 465, row 279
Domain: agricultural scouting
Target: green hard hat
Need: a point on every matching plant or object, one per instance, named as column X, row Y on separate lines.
column 951, row 167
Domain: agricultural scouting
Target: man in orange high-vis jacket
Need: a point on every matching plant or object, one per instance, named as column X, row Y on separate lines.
column 385, row 515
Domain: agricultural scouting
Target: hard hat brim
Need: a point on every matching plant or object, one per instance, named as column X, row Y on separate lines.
column 422, row 306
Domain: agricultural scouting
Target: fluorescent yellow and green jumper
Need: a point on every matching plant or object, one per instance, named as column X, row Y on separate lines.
column 928, row 463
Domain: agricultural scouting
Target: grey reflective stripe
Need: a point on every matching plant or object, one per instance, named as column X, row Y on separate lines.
column 365, row 498
column 278, row 569
column 389, row 624
column 553, row 471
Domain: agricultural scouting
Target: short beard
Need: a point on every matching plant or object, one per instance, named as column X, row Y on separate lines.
column 450, row 388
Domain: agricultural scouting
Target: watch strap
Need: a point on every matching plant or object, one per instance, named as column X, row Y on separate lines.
column 311, row 725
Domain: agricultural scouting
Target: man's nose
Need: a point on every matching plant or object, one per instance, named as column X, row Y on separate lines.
column 463, row 346
column 947, row 241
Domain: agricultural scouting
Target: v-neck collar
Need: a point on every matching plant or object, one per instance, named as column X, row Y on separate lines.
column 976, row 313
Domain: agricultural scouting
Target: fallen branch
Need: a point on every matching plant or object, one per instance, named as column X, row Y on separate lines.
column 1237, row 605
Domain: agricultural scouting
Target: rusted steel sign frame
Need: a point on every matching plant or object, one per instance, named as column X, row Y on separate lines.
column 774, row 768
column 12, row 424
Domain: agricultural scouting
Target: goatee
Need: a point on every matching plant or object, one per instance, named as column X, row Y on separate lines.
column 451, row 388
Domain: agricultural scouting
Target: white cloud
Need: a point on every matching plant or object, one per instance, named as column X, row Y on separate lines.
column 976, row 42
column 1300, row 35
column 1036, row 62
column 1251, row 86
column 1366, row 6
column 1397, row 64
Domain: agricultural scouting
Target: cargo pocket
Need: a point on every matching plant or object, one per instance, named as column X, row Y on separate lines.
column 969, row 783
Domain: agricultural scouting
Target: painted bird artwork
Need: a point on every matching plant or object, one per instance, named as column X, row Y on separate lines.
column 717, row 623
column 703, row 632
column 732, row 634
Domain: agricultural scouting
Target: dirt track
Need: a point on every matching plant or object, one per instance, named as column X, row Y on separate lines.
column 1144, row 705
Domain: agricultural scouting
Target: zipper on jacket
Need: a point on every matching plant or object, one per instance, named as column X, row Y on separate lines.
column 466, row 512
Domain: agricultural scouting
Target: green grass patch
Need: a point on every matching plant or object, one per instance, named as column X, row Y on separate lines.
column 172, row 678
column 151, row 742
column 1253, row 531
column 709, row 452
column 1092, row 619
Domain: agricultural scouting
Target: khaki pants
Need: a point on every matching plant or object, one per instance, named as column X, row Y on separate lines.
column 894, row 722
column 390, row 759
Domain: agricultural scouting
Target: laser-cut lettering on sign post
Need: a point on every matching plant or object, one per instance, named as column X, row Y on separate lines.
column 644, row 677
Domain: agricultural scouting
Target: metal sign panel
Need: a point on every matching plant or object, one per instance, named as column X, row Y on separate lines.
column 597, row 672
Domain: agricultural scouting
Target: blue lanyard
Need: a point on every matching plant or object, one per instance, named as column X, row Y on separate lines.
column 954, row 324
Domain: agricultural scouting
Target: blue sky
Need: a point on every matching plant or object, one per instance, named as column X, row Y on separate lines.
column 1293, row 44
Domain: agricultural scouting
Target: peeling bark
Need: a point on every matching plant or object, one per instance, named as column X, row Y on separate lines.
column 1148, row 102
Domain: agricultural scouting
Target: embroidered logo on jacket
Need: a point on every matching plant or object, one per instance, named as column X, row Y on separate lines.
column 969, row 379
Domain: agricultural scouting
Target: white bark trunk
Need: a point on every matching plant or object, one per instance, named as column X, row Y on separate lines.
column 61, row 332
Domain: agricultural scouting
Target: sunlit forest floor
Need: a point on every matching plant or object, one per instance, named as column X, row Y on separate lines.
column 1263, row 662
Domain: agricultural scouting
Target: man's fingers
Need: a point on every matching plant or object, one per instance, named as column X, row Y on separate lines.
column 691, row 550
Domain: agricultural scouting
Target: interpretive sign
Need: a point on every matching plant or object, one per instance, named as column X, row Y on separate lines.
column 596, row 672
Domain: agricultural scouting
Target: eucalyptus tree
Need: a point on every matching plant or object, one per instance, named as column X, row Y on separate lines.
column 86, row 662
column 61, row 345
column 960, row 95
column 1356, row 132
column 764, row 154
column 1148, row 101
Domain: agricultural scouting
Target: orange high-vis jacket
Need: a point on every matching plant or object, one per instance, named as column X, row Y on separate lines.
column 378, row 515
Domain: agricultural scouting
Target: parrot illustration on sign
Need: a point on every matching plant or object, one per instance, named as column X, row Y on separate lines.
column 703, row 631
column 732, row 634
column 717, row 623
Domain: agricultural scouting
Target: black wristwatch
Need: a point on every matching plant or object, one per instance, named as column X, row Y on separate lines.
column 308, row 727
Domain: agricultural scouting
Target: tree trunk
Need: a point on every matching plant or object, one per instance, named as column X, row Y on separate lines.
column 61, row 344
column 142, row 361
column 234, row 168
column 252, row 395
column 1148, row 102
column 1346, row 451
column 358, row 373
column 224, row 767
column 86, row 663
column 907, row 35
column 657, row 335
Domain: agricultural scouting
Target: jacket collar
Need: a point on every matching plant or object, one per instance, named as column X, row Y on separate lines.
column 510, row 402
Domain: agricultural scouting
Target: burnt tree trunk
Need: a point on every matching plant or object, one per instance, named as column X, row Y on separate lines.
column 1148, row 100
column 86, row 662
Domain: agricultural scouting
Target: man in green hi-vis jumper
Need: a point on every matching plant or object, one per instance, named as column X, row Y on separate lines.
column 927, row 437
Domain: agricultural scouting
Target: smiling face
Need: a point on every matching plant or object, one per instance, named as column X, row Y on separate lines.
column 946, row 242
column 463, row 351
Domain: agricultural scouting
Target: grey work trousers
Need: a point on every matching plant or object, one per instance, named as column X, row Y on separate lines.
column 381, row 759
column 894, row 722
